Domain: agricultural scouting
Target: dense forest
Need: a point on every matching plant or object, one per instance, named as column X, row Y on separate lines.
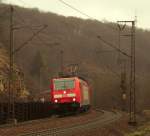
column 40, row 59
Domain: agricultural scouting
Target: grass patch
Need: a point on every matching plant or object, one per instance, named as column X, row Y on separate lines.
column 141, row 131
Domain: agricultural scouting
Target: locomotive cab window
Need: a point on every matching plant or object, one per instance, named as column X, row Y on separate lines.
column 64, row 84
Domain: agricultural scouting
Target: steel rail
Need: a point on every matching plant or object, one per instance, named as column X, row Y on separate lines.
column 106, row 118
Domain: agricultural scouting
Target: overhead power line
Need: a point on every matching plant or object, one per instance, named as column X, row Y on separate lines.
column 111, row 45
column 72, row 7
column 77, row 10
column 35, row 34
column 81, row 12
column 29, row 27
column 30, row 39
column 24, row 3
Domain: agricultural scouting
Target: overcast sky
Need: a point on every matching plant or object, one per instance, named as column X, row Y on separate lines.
column 111, row 10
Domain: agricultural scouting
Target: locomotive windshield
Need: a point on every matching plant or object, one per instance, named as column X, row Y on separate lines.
column 63, row 84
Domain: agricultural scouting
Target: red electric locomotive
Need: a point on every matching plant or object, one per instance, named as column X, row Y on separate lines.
column 71, row 93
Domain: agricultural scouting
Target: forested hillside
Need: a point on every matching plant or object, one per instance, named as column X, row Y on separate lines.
column 40, row 58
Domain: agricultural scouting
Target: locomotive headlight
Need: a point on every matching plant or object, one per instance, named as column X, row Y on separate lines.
column 56, row 101
column 74, row 99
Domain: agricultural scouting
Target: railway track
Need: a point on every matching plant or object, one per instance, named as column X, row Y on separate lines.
column 106, row 118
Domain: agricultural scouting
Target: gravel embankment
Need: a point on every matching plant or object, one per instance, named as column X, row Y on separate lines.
column 52, row 122
column 117, row 128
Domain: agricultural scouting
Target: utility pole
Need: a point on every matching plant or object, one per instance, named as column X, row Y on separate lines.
column 11, row 93
column 119, row 42
column 40, row 78
column 132, row 110
column 11, row 110
column 123, row 84
column 120, row 29
column 62, row 61
column 123, row 75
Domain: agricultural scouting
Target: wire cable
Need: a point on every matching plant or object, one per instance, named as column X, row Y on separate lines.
column 111, row 45
column 79, row 11
column 31, row 29
column 24, row 3
column 106, row 66
column 30, row 39
column 75, row 9
column 35, row 34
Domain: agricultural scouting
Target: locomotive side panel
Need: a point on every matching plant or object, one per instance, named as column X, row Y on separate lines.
column 85, row 94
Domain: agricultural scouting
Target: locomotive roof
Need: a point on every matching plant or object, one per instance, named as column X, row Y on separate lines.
column 64, row 77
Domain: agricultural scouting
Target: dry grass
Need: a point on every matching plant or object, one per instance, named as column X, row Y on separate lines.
column 141, row 131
